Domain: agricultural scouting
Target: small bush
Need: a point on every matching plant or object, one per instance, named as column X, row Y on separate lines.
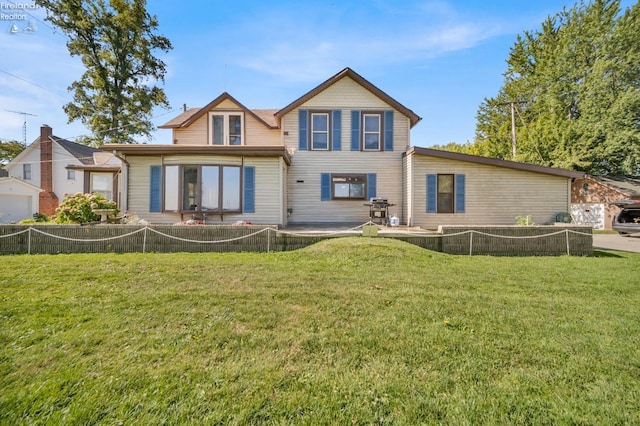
column 524, row 220
column 37, row 218
column 79, row 208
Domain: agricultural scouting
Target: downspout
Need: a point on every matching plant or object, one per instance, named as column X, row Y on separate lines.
column 125, row 182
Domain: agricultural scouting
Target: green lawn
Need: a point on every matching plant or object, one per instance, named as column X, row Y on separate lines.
column 349, row 331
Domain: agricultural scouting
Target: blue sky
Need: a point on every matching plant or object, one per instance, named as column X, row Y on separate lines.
column 438, row 58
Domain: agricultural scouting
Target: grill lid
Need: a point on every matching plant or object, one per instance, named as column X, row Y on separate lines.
column 378, row 200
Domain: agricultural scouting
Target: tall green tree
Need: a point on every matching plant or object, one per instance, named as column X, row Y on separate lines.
column 116, row 41
column 577, row 82
column 9, row 150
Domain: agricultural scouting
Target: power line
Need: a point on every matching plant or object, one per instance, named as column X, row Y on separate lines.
column 29, row 82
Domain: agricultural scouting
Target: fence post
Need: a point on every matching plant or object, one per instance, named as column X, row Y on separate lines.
column 144, row 241
column 566, row 232
column 29, row 241
column 471, row 243
column 268, row 240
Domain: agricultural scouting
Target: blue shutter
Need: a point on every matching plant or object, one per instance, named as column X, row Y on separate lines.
column 303, row 129
column 388, row 130
column 371, row 185
column 336, row 123
column 432, row 193
column 460, row 193
column 155, row 189
column 325, row 187
column 355, row 130
column 249, row 197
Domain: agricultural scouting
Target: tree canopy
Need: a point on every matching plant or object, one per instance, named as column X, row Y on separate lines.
column 9, row 150
column 575, row 83
column 116, row 40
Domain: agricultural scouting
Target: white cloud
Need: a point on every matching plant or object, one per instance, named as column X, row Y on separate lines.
column 316, row 48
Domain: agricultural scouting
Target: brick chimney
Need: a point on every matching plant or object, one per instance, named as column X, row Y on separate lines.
column 48, row 199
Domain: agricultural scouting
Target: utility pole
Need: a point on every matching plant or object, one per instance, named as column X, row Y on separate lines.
column 512, row 105
column 24, row 126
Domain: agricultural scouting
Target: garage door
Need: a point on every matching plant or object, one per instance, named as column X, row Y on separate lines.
column 14, row 208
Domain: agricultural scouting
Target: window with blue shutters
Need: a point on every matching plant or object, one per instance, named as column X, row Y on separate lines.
column 445, row 193
column 432, row 182
column 325, row 187
column 336, row 125
column 388, row 130
column 459, row 189
column 249, row 195
column 303, row 126
column 202, row 188
column 371, row 185
column 320, row 130
column 347, row 186
column 355, row 130
column 371, row 130
column 155, row 190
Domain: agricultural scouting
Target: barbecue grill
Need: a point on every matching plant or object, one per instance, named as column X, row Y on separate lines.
column 379, row 210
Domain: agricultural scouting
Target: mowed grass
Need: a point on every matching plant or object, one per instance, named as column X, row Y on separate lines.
column 348, row 331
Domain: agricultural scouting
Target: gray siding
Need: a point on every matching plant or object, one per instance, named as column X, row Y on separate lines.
column 255, row 132
column 303, row 183
column 494, row 195
column 269, row 181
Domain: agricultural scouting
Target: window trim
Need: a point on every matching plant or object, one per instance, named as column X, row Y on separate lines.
column 328, row 132
column 225, row 127
column 26, row 171
column 110, row 184
column 71, row 174
column 452, row 207
column 198, row 209
column 459, row 193
column 362, row 176
column 380, row 132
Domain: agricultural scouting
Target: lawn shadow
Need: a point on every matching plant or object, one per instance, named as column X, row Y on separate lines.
column 605, row 253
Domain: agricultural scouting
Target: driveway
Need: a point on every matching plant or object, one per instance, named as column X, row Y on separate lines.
column 616, row 242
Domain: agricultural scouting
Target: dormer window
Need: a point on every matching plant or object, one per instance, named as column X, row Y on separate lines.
column 226, row 128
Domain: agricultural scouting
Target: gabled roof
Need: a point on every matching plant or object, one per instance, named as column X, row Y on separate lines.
column 429, row 152
column 348, row 72
column 7, row 180
column 83, row 153
column 192, row 114
column 627, row 185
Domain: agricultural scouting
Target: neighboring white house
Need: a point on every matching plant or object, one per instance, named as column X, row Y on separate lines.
column 58, row 167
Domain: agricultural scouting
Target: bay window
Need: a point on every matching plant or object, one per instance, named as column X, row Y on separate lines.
column 200, row 188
